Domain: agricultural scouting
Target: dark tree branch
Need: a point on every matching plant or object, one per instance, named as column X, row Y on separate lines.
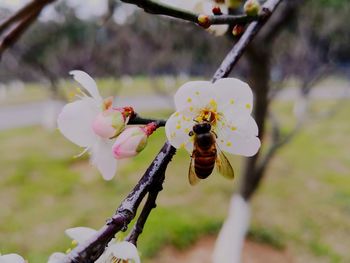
column 91, row 250
column 14, row 34
column 157, row 8
column 149, row 205
column 249, row 34
column 153, row 178
column 31, row 7
column 24, row 18
column 139, row 120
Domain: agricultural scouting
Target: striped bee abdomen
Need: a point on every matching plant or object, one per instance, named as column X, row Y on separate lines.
column 204, row 163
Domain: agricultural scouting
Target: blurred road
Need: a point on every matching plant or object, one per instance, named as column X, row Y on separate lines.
column 45, row 113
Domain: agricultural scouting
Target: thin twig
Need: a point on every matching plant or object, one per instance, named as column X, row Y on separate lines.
column 249, row 34
column 17, row 31
column 158, row 8
column 24, row 18
column 146, row 210
column 140, row 120
column 23, row 12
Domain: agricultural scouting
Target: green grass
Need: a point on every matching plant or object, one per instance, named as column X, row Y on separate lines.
column 303, row 203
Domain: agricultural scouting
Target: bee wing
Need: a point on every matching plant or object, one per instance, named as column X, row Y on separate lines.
column 192, row 176
column 223, row 164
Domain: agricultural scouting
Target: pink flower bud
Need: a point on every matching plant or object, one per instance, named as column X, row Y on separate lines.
column 132, row 141
column 109, row 123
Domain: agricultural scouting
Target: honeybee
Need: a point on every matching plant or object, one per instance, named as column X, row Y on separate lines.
column 206, row 154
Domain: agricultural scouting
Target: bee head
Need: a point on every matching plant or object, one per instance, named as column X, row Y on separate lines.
column 201, row 128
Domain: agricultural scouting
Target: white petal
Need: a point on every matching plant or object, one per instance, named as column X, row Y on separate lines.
column 177, row 130
column 75, row 121
column 80, row 234
column 237, row 142
column 233, row 92
column 102, row 157
column 240, row 120
column 88, row 83
column 125, row 251
column 56, row 257
column 11, row 258
column 195, row 94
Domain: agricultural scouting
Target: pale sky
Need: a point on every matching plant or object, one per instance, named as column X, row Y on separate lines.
column 84, row 8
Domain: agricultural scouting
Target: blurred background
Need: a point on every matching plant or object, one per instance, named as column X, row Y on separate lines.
column 301, row 210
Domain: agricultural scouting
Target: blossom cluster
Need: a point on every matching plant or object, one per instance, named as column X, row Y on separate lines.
column 115, row 251
column 95, row 124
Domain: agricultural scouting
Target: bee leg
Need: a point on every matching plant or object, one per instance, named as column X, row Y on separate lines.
column 190, row 133
column 215, row 134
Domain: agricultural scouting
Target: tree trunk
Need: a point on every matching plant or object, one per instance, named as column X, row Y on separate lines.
column 258, row 78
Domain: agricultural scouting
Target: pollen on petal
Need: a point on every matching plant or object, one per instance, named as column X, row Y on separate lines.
column 213, row 103
column 197, row 93
column 178, row 126
column 233, row 128
column 191, row 108
column 189, row 100
column 177, row 114
column 228, row 144
column 232, row 101
column 182, row 146
column 248, row 106
column 173, row 135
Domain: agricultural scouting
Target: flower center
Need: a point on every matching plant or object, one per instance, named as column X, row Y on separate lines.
column 209, row 114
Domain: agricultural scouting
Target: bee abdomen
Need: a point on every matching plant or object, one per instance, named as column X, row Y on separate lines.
column 204, row 166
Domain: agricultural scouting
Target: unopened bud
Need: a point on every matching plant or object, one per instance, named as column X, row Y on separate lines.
column 217, row 10
column 252, row 7
column 132, row 141
column 237, row 30
column 203, row 21
column 111, row 122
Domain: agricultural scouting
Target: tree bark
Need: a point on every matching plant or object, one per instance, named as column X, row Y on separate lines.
column 258, row 78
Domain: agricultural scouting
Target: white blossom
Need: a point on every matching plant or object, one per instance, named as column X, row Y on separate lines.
column 226, row 104
column 89, row 122
column 115, row 250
